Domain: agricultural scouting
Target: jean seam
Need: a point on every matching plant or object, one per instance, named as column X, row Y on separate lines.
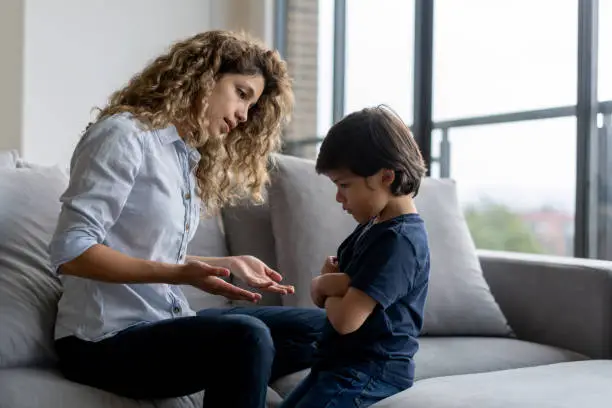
column 332, row 403
column 367, row 387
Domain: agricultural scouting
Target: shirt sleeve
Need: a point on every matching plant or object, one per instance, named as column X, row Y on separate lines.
column 387, row 269
column 103, row 169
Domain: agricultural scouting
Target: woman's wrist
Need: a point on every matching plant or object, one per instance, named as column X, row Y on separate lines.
column 222, row 261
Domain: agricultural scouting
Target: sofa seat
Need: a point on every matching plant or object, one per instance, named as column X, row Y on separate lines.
column 443, row 356
column 33, row 387
column 561, row 385
column 446, row 356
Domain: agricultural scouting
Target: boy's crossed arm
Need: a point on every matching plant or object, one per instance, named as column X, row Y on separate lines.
column 328, row 285
column 348, row 313
column 347, row 308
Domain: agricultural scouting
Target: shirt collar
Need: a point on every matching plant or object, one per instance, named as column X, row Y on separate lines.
column 168, row 135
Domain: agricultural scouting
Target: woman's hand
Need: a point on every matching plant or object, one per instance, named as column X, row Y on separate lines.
column 208, row 278
column 257, row 274
column 330, row 265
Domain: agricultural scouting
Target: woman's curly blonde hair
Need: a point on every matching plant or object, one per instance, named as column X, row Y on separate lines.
column 174, row 89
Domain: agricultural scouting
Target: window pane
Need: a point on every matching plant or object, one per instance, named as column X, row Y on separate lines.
column 325, row 67
column 309, row 57
column 498, row 56
column 379, row 55
column 516, row 183
column 605, row 50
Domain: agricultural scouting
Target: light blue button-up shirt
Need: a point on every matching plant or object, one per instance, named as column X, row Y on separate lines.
column 134, row 191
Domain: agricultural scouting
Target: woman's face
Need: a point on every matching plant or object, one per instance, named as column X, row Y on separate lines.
column 230, row 101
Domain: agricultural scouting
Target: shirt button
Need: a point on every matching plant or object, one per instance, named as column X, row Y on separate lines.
column 187, row 227
column 187, row 196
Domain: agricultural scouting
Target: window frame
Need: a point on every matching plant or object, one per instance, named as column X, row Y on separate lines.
column 593, row 142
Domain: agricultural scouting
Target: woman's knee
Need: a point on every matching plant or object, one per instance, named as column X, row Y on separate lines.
column 249, row 332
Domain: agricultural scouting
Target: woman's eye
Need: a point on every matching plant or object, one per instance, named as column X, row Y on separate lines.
column 241, row 93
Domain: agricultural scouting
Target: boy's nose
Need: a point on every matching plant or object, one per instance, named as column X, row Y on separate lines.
column 339, row 198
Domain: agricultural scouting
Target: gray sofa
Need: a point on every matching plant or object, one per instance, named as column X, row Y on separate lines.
column 501, row 330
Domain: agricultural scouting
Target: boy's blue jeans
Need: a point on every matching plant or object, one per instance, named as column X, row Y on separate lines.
column 342, row 387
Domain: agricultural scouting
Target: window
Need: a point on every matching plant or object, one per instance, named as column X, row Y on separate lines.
column 516, row 183
column 503, row 56
column 325, row 75
column 605, row 50
column 309, row 48
column 379, row 55
column 490, row 57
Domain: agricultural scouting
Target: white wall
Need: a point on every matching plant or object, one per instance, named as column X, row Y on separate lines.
column 62, row 58
column 253, row 16
column 77, row 52
column 11, row 68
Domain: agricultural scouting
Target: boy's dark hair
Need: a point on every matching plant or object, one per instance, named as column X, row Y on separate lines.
column 372, row 139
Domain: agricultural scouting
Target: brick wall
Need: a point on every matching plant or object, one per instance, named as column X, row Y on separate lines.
column 301, row 55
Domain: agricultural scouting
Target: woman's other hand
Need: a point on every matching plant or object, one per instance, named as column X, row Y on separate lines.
column 257, row 274
column 209, row 279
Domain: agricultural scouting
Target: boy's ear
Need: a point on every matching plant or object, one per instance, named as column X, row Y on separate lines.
column 388, row 177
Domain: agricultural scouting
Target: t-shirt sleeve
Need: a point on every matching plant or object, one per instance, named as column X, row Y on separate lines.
column 387, row 269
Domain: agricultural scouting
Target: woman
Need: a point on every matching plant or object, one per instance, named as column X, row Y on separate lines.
column 194, row 129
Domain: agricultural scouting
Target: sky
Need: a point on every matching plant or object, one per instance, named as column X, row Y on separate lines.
column 490, row 57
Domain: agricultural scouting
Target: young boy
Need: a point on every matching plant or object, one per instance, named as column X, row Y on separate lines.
column 374, row 290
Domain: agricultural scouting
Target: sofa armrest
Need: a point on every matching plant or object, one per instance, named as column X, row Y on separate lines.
column 559, row 301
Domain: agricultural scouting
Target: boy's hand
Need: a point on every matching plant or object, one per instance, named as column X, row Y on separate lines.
column 330, row 265
column 316, row 294
column 330, row 284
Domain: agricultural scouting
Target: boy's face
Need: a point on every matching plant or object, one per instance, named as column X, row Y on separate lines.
column 361, row 197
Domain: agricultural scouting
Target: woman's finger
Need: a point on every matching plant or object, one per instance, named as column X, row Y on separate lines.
column 275, row 276
column 275, row 289
column 282, row 289
column 290, row 289
column 218, row 271
column 212, row 270
column 230, row 291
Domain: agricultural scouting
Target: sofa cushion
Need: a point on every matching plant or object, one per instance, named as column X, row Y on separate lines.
column 309, row 225
column 445, row 356
column 248, row 229
column 441, row 356
column 208, row 241
column 8, row 159
column 47, row 388
column 563, row 385
column 29, row 290
column 50, row 389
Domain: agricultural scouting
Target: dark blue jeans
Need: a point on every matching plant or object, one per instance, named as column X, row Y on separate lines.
column 231, row 353
column 345, row 387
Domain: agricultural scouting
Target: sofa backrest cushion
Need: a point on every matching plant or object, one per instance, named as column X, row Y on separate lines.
column 208, row 241
column 29, row 290
column 8, row 159
column 248, row 230
column 308, row 225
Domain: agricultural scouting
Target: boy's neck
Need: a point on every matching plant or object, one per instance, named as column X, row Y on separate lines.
column 397, row 206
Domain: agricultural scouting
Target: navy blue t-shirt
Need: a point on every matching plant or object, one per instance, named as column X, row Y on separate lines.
column 389, row 261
